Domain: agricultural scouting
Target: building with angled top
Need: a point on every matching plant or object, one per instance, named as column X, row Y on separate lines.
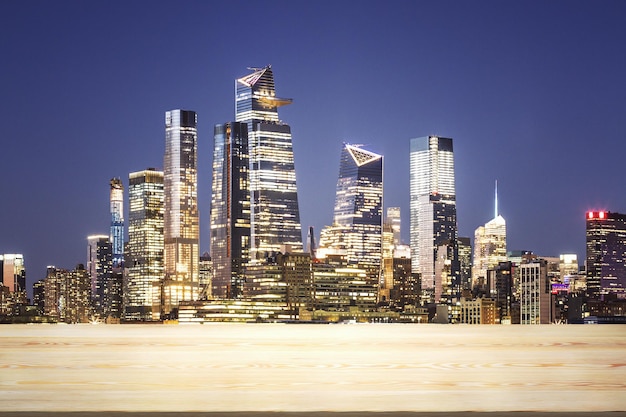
column 432, row 205
column 356, row 232
column 274, row 211
column 13, row 285
column 180, row 217
column 144, row 257
column 489, row 247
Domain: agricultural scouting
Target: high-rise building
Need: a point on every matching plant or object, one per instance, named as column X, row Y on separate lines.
column 230, row 209
column 357, row 223
column 95, row 245
column 394, row 220
column 144, row 258
column 489, row 246
column 274, row 213
column 13, row 276
column 465, row 262
column 535, row 292
column 432, row 205
column 606, row 254
column 180, row 217
column 100, row 271
column 66, row 294
column 117, row 223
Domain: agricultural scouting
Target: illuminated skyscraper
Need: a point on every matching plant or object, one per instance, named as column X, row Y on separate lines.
column 230, row 209
column 535, row 292
column 144, row 259
column 181, row 225
column 606, row 254
column 432, row 205
column 117, row 223
column 274, row 213
column 489, row 246
column 13, row 276
column 357, row 224
column 100, row 270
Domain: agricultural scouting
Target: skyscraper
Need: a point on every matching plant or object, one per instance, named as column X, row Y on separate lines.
column 357, row 222
column 432, row 204
column 100, row 271
column 230, row 209
column 181, row 224
column 13, row 276
column 535, row 292
column 489, row 246
column 606, row 254
column 117, row 223
column 274, row 213
column 144, row 259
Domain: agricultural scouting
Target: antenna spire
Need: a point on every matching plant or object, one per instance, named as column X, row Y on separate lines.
column 496, row 200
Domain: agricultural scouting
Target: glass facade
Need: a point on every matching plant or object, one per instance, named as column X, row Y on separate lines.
column 489, row 249
column 432, row 204
column 357, row 222
column 180, row 218
column 274, row 212
column 230, row 209
column 606, row 254
column 117, row 222
column 144, row 259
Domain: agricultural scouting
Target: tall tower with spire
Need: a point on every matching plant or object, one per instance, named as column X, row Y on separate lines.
column 489, row 245
column 274, row 212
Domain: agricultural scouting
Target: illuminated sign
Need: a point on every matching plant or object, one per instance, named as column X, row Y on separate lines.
column 602, row 215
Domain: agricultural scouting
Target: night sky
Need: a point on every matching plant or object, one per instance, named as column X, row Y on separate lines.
column 532, row 92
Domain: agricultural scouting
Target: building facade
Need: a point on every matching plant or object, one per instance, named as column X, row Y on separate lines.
column 180, row 217
column 606, row 255
column 117, row 223
column 144, row 257
column 14, row 280
column 535, row 292
column 274, row 211
column 432, row 204
column 356, row 232
column 230, row 209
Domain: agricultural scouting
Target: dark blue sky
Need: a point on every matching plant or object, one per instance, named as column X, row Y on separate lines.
column 532, row 92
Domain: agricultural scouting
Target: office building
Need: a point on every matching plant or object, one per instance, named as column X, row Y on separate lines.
column 356, row 232
column 489, row 246
column 230, row 209
column 66, row 294
column 606, row 255
column 117, row 223
column 432, row 205
column 14, row 280
column 100, row 271
column 180, row 217
column 144, row 258
column 465, row 262
column 535, row 292
column 274, row 212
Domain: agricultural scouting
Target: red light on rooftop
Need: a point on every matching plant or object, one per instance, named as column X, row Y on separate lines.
column 590, row 214
column 601, row 215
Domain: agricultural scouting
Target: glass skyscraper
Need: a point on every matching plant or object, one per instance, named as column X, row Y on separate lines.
column 181, row 224
column 606, row 254
column 357, row 224
column 144, row 259
column 432, row 204
column 117, row 223
column 274, row 213
column 230, row 209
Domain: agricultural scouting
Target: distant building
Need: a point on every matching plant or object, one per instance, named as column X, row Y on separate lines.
column 66, row 294
column 432, row 205
column 274, row 212
column 357, row 222
column 606, row 254
column 117, row 223
column 500, row 284
column 489, row 246
column 230, row 209
column 97, row 265
column 478, row 311
column 535, row 293
column 144, row 259
column 465, row 262
column 14, row 280
column 180, row 217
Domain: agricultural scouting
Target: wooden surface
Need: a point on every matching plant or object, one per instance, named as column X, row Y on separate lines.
column 274, row 367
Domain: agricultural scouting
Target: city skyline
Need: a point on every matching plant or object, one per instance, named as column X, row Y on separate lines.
column 554, row 96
